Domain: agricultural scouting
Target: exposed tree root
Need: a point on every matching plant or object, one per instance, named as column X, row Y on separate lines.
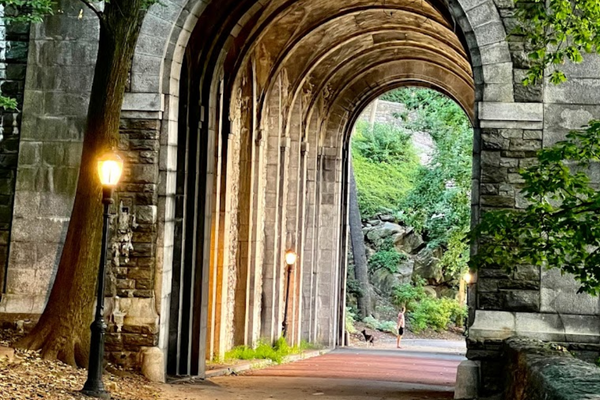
column 58, row 343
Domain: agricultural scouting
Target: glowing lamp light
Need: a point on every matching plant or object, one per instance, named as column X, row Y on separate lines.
column 290, row 257
column 467, row 277
column 110, row 168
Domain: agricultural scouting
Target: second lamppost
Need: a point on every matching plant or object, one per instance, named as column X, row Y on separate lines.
column 290, row 260
column 110, row 168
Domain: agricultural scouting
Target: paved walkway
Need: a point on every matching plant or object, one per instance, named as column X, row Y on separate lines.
column 373, row 365
column 349, row 373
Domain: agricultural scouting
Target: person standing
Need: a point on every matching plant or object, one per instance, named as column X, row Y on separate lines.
column 400, row 326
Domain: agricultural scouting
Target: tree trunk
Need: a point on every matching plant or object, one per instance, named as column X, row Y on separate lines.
column 63, row 329
column 358, row 249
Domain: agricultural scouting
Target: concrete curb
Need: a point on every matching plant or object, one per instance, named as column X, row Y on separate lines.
column 258, row 364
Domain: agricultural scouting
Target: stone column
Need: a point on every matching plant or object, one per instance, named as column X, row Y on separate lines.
column 271, row 215
column 327, row 285
column 54, row 112
column 292, row 216
column 310, row 229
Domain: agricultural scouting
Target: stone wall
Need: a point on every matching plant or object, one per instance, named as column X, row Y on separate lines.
column 543, row 371
column 14, row 40
column 59, row 73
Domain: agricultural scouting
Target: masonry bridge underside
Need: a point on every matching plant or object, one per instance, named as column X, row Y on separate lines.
column 235, row 130
column 279, row 115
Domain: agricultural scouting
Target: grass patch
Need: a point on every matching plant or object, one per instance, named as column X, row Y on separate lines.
column 264, row 351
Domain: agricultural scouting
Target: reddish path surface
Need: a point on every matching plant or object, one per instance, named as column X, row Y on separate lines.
column 391, row 366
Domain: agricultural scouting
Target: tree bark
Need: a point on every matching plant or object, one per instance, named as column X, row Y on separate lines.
column 63, row 329
column 358, row 249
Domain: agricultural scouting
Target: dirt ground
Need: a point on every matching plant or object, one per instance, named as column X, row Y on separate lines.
column 294, row 388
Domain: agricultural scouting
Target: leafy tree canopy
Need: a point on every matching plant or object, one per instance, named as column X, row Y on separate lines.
column 433, row 198
column 557, row 31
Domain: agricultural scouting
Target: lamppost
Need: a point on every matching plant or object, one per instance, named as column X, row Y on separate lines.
column 462, row 291
column 110, row 168
column 290, row 260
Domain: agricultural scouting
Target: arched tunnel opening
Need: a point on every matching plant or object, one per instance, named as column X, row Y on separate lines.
column 263, row 111
column 409, row 212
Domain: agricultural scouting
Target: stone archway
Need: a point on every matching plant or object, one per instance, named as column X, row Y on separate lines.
column 156, row 71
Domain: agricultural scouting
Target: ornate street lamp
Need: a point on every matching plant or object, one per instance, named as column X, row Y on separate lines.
column 290, row 260
column 110, row 168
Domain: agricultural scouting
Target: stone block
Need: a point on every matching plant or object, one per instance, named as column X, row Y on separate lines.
column 527, row 272
column 497, row 92
column 146, row 214
column 492, row 32
column 23, row 281
column 574, row 91
column 497, row 201
column 153, row 364
column 511, row 111
column 559, row 295
column 492, row 140
column 561, row 118
column 494, row 175
column 494, row 53
column 40, row 231
column 467, row 380
column 525, row 145
column 500, row 73
column 522, row 300
column 143, row 102
column 482, row 14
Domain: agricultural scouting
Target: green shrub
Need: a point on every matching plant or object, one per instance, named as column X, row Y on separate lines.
column 424, row 311
column 371, row 322
column 350, row 318
column 385, row 164
column 436, row 314
column 388, row 326
column 409, row 295
column 265, row 351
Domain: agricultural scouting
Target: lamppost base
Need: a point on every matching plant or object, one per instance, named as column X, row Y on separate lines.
column 99, row 394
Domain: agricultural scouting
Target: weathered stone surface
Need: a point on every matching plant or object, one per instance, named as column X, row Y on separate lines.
column 385, row 230
column 427, row 265
column 467, row 380
column 537, row 370
column 409, row 242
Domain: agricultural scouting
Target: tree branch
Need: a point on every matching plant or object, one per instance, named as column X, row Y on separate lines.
column 89, row 5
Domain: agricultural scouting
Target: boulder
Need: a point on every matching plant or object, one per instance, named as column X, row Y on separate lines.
column 405, row 271
column 152, row 360
column 378, row 233
column 448, row 293
column 430, row 291
column 385, row 281
column 387, row 218
column 427, row 266
column 408, row 241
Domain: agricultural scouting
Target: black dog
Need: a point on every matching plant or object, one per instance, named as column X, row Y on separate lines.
column 368, row 338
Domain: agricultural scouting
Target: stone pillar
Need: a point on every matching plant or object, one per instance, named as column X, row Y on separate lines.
column 292, row 219
column 14, row 46
column 271, row 214
column 54, row 109
column 327, row 272
column 249, row 277
column 310, row 229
